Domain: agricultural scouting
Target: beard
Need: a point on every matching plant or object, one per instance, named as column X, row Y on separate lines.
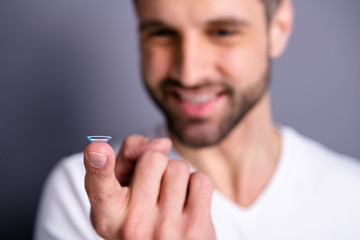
column 201, row 132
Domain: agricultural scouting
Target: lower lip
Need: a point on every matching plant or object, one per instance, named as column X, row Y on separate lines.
column 202, row 110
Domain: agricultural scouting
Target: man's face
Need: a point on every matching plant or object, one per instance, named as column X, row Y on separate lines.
column 205, row 63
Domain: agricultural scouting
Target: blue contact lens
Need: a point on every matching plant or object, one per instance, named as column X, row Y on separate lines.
column 99, row 138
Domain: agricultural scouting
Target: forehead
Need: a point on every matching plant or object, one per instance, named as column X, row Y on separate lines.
column 199, row 11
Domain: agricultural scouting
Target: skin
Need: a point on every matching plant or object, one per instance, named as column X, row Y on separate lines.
column 206, row 65
column 188, row 53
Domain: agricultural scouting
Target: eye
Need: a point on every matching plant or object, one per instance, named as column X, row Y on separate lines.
column 222, row 32
column 162, row 33
column 162, row 36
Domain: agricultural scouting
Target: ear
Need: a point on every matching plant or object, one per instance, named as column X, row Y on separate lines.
column 280, row 28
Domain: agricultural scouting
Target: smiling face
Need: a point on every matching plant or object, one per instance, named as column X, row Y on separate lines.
column 205, row 63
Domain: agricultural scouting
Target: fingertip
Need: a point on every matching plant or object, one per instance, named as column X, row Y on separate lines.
column 98, row 154
column 201, row 189
column 167, row 143
column 160, row 144
column 99, row 147
column 202, row 181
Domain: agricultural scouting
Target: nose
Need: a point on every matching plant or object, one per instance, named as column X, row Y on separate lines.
column 192, row 61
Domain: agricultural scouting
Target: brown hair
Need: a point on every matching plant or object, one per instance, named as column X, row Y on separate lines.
column 270, row 7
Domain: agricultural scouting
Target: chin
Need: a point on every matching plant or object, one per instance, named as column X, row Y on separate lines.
column 198, row 136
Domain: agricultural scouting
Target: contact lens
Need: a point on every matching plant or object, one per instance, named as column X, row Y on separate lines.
column 99, row 138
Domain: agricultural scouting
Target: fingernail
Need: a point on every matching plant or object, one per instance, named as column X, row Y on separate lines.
column 153, row 140
column 97, row 159
column 156, row 140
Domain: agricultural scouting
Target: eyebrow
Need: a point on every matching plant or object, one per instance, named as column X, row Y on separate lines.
column 231, row 22
column 151, row 24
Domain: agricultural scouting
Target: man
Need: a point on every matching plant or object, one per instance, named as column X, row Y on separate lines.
column 206, row 64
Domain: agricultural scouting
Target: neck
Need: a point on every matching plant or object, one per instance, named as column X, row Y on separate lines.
column 242, row 164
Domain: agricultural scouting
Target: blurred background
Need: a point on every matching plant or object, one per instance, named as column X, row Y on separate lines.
column 69, row 69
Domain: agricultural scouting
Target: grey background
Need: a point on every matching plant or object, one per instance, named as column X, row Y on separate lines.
column 69, row 69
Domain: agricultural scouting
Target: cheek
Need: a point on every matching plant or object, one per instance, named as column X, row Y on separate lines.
column 155, row 64
column 244, row 65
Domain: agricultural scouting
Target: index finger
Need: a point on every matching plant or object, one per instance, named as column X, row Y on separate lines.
column 132, row 148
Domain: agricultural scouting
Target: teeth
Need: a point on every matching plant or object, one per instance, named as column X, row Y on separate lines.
column 197, row 98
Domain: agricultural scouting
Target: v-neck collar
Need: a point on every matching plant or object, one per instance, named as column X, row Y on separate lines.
column 271, row 190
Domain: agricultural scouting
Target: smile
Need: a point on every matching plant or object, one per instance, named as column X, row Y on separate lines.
column 196, row 99
column 201, row 103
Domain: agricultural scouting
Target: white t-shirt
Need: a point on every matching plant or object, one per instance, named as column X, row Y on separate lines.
column 313, row 194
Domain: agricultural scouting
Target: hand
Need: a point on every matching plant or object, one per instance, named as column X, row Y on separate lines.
column 162, row 201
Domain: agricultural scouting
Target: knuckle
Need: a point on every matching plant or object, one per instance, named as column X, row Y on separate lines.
column 203, row 180
column 129, row 231
column 130, row 140
column 97, row 195
column 192, row 232
column 97, row 173
column 133, row 227
column 164, row 232
column 98, row 198
column 197, row 224
column 153, row 159
column 169, row 227
column 196, row 221
column 129, row 143
column 178, row 167
column 100, row 228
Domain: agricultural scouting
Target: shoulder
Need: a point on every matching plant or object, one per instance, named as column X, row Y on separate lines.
column 327, row 183
column 321, row 167
column 64, row 208
column 71, row 166
column 66, row 182
column 316, row 154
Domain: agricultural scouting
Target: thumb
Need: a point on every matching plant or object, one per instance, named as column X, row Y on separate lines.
column 106, row 196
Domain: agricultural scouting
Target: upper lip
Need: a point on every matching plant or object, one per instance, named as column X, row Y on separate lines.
column 197, row 96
